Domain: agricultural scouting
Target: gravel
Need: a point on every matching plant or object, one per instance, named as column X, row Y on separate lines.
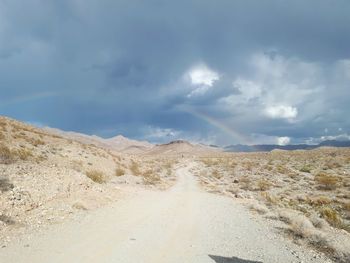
column 182, row 224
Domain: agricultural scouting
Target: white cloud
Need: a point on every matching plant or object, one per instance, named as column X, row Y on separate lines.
column 160, row 134
column 201, row 79
column 257, row 138
column 279, row 87
column 283, row 141
column 273, row 92
column 281, row 112
column 339, row 137
column 248, row 89
column 165, row 135
column 202, row 75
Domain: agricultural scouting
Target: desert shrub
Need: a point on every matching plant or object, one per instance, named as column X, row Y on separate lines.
column 24, row 154
column 147, row 173
column 301, row 226
column 96, row 176
column 205, row 162
column 268, row 167
column 40, row 158
column 346, row 206
column 119, row 171
column 269, row 199
column 321, row 200
column 317, row 221
column 210, row 162
column 248, row 165
column 168, row 165
column 331, row 164
column 346, row 227
column 282, row 169
column 286, row 215
column 305, row 169
column 169, row 172
column 215, row 162
column 260, row 208
column 332, row 216
column 216, row 174
column 5, row 184
column 36, row 142
column 3, row 125
column 134, row 168
column 20, row 135
column 293, row 174
column 346, row 183
column 150, row 177
column 325, row 181
column 6, row 155
column 245, row 183
column 264, row 185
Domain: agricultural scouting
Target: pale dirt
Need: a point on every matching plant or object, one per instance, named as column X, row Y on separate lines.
column 182, row 224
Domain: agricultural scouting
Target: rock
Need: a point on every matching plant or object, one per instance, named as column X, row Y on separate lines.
column 239, row 195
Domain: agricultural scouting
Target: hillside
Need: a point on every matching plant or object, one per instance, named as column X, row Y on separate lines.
column 180, row 148
column 118, row 143
column 300, row 198
column 46, row 178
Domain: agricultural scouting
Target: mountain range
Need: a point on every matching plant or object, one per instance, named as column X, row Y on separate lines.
column 270, row 147
column 122, row 144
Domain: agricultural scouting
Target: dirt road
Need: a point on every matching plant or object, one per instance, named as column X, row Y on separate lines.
column 183, row 224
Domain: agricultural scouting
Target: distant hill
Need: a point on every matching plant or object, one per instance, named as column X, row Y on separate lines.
column 125, row 145
column 180, row 147
column 128, row 145
column 118, row 143
column 270, row 147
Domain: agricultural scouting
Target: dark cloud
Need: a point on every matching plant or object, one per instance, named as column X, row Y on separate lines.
column 109, row 67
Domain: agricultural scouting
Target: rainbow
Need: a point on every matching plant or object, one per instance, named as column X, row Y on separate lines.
column 220, row 125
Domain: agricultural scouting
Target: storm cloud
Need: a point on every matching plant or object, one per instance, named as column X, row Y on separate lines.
column 218, row 72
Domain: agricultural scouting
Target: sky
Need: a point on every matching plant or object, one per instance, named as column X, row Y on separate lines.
column 218, row 72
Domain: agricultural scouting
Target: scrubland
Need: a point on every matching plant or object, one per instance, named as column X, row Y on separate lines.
column 46, row 179
column 307, row 191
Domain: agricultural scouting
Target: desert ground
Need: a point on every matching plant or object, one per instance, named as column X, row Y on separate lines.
column 75, row 198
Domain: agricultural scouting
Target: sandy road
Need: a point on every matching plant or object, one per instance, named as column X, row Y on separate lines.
column 183, row 224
